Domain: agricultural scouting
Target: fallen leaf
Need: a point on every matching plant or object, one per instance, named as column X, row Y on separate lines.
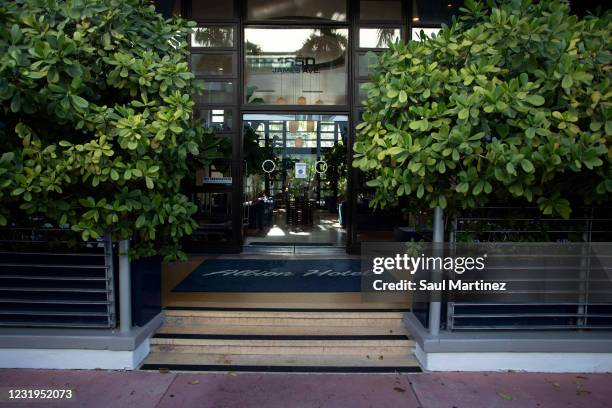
column 381, row 358
column 194, row 382
column 399, row 389
column 164, row 370
column 233, row 374
column 582, row 377
column 582, row 392
column 505, row 396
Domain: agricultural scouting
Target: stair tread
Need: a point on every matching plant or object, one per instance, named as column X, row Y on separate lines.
column 243, row 329
column 284, row 343
column 287, row 360
column 284, row 314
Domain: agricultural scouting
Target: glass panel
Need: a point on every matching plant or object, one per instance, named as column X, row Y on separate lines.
column 212, row 9
column 334, row 10
column 378, row 37
column 426, row 32
column 296, row 66
column 212, row 64
column 390, row 10
column 211, row 37
column 217, row 92
column 213, row 216
column 177, row 7
column 304, row 197
column 364, row 61
column 434, row 12
column 218, row 119
column 362, row 94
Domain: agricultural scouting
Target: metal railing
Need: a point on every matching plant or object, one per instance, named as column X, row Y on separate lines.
column 50, row 279
column 514, row 224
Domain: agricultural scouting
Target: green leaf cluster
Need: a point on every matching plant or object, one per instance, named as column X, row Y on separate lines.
column 96, row 123
column 511, row 102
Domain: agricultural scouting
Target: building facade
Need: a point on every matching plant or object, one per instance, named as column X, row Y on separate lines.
column 290, row 72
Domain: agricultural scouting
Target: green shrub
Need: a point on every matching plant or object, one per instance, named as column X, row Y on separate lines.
column 96, row 121
column 509, row 103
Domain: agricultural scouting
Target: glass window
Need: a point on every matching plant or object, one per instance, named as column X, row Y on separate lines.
column 390, row 10
column 334, row 10
column 218, row 119
column 419, row 33
column 434, row 12
column 296, row 66
column 378, row 37
column 177, row 6
column 364, row 61
column 217, row 92
column 212, row 64
column 212, row 9
column 213, row 37
column 362, row 94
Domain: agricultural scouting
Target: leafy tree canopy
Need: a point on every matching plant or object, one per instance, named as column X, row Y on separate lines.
column 95, row 120
column 512, row 102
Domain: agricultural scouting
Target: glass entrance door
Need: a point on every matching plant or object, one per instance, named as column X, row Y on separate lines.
column 294, row 179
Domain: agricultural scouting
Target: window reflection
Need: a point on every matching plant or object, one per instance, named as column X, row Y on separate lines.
column 434, row 12
column 334, row 10
column 216, row 92
column 212, row 64
column 213, row 37
column 366, row 63
column 390, row 10
column 378, row 37
column 218, row 119
column 211, row 9
column 297, row 66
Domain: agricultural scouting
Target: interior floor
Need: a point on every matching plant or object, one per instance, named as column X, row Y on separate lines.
column 325, row 230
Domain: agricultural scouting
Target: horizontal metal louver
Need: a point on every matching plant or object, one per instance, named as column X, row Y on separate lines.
column 44, row 282
column 522, row 224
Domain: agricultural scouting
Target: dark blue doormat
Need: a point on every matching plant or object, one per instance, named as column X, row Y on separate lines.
column 267, row 275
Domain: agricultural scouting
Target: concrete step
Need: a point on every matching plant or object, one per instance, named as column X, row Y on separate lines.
column 242, row 329
column 203, row 318
column 278, row 363
column 282, row 340
column 280, row 346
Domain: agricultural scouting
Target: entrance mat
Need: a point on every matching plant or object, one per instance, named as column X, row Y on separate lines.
column 274, row 243
column 274, row 275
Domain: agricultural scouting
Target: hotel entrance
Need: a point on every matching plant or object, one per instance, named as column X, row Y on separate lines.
column 282, row 92
column 274, row 276
column 295, row 179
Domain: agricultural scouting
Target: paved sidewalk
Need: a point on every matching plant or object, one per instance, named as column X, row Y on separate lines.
column 118, row 389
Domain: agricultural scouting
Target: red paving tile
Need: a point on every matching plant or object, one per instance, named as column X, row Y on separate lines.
column 510, row 390
column 289, row 391
column 92, row 388
column 118, row 389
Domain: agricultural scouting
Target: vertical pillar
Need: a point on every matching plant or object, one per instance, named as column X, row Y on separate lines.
column 125, row 288
column 435, row 308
